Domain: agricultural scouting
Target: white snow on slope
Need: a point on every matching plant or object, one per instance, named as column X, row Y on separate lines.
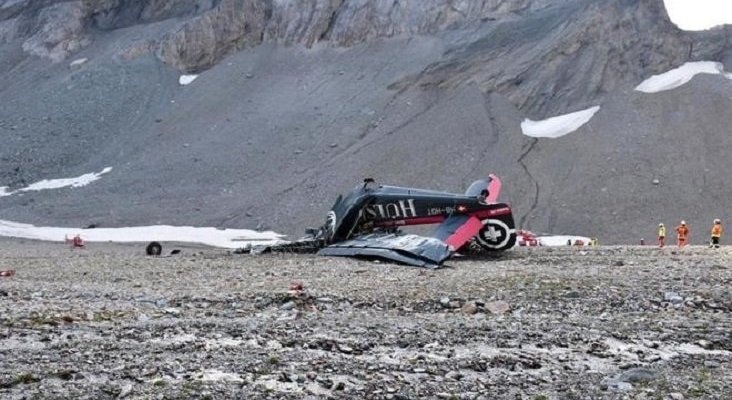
column 79, row 181
column 699, row 15
column 186, row 79
column 560, row 240
column 225, row 238
column 558, row 126
column 681, row 75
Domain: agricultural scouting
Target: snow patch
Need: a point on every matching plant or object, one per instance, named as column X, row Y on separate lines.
column 224, row 238
column 558, row 126
column 45, row 184
column 79, row 181
column 186, row 79
column 560, row 240
column 681, row 75
column 78, row 62
column 699, row 15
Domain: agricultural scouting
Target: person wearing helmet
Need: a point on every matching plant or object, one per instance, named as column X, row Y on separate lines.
column 682, row 234
column 661, row 235
column 716, row 233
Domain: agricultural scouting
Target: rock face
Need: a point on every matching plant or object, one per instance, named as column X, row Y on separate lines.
column 298, row 99
column 210, row 29
column 588, row 49
column 49, row 29
column 563, row 53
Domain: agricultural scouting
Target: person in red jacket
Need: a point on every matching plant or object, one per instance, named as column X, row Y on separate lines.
column 716, row 233
column 682, row 234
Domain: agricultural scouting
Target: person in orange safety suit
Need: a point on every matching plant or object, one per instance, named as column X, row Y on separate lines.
column 682, row 234
column 716, row 233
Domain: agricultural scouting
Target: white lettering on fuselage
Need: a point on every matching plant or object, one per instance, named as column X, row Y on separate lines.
column 440, row 210
column 400, row 209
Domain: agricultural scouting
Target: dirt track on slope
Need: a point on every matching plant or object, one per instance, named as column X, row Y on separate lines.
column 607, row 323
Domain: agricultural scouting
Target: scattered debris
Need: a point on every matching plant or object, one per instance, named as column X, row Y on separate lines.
column 76, row 242
column 527, row 238
column 154, row 249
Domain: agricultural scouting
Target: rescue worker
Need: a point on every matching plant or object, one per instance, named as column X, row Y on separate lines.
column 716, row 233
column 661, row 235
column 682, row 234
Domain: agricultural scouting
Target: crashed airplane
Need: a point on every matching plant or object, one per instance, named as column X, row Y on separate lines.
column 366, row 223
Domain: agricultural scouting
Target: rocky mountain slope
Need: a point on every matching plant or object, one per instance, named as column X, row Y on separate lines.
column 298, row 100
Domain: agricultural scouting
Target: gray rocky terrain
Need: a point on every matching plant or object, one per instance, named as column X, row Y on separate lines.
column 605, row 323
column 299, row 100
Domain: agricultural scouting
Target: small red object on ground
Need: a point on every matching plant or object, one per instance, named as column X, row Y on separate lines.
column 526, row 238
column 296, row 286
column 76, row 242
column 9, row 272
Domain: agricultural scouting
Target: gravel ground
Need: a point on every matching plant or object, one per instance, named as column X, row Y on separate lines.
column 607, row 323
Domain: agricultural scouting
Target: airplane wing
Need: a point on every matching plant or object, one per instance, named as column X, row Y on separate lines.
column 409, row 249
column 457, row 230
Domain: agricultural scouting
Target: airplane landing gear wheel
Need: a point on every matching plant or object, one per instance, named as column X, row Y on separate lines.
column 496, row 235
column 154, row 249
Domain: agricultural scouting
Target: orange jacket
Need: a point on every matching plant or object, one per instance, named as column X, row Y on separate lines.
column 682, row 231
column 717, row 230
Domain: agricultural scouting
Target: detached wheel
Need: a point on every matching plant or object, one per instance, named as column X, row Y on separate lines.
column 154, row 249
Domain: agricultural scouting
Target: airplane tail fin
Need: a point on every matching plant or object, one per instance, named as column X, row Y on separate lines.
column 489, row 188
